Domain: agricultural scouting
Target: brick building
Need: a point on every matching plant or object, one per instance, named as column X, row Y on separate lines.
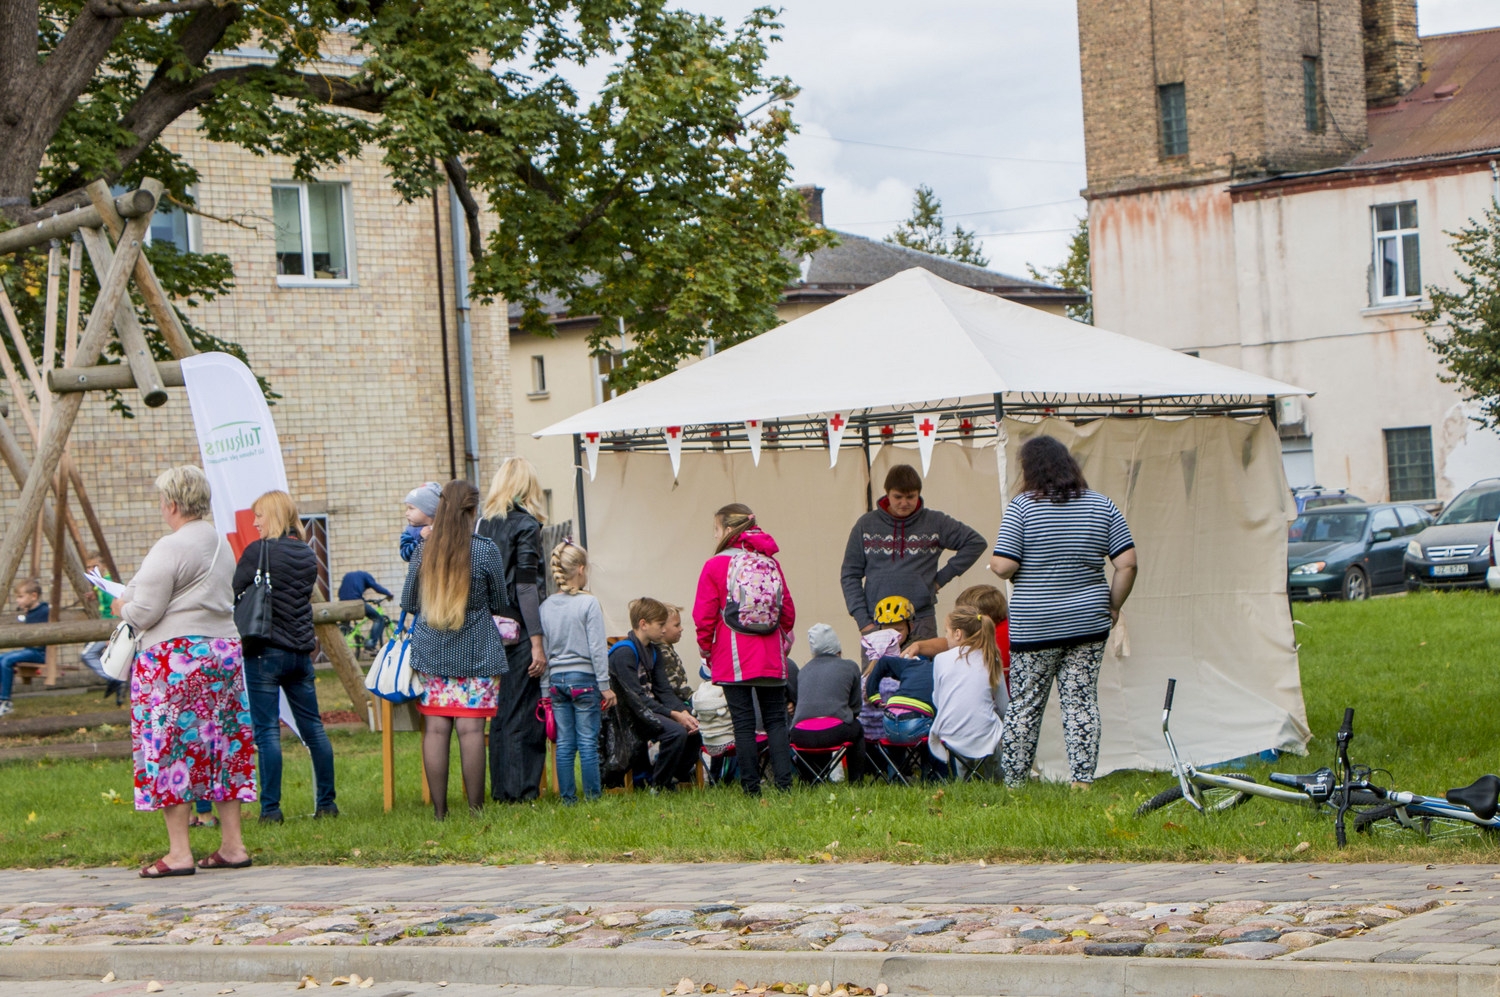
column 343, row 298
column 1270, row 183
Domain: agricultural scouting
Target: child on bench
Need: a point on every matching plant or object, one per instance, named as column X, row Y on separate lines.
column 33, row 610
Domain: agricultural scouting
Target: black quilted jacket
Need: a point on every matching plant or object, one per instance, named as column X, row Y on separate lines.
column 294, row 571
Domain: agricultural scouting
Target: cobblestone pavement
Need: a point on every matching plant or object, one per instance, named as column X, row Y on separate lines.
column 74, row 988
column 1363, row 913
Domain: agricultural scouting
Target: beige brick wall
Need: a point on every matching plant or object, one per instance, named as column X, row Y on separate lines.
column 1393, row 55
column 362, row 415
column 1240, row 63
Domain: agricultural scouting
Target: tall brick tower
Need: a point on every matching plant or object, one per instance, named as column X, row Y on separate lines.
column 1188, row 91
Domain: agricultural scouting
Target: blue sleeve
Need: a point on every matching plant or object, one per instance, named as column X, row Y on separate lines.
column 372, row 583
column 410, row 540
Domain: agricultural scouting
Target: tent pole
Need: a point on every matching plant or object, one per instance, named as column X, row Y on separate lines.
column 864, row 441
column 999, row 412
column 583, row 525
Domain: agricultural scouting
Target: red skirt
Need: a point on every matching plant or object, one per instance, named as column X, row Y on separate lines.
column 454, row 697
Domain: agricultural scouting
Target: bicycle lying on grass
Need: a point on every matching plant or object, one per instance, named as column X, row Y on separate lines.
column 1210, row 792
column 1466, row 812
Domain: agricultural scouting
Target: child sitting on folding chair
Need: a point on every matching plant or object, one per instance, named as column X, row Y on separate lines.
column 828, row 703
column 908, row 710
column 968, row 690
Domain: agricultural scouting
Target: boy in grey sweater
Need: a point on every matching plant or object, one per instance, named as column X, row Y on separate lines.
column 828, row 700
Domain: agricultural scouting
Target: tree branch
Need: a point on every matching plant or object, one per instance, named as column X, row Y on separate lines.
column 459, row 177
column 124, row 8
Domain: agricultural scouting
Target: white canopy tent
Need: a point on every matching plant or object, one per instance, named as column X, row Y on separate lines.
column 1201, row 485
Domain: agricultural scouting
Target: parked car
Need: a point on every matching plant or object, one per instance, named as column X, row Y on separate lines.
column 1492, row 576
column 1454, row 552
column 1350, row 551
column 1316, row 497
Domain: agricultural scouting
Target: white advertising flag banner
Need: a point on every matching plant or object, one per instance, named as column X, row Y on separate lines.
column 674, row 448
column 926, row 436
column 239, row 447
column 591, row 452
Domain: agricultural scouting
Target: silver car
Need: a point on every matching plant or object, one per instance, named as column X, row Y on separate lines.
column 1455, row 551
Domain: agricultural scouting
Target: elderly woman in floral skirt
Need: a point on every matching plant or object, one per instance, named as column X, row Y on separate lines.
column 189, row 714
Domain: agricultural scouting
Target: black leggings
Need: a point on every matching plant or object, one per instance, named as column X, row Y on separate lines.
column 742, row 698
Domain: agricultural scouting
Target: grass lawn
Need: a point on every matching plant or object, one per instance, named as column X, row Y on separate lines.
column 1418, row 669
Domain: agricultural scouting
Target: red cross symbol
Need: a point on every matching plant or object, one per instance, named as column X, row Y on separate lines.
column 926, row 427
column 887, row 431
column 837, row 422
column 753, row 423
column 672, row 431
column 591, row 437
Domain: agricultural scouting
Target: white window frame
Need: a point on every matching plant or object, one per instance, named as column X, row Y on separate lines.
column 601, row 377
column 1397, row 235
column 308, row 280
column 538, row 376
column 191, row 218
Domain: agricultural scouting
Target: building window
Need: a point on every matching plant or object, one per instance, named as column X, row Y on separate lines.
column 1398, row 263
column 1311, row 106
column 1408, row 464
column 315, row 532
column 604, row 365
column 1297, row 461
column 1173, row 100
column 312, row 233
column 170, row 225
column 538, row 375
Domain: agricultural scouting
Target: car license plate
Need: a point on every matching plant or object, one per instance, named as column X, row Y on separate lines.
column 1438, row 570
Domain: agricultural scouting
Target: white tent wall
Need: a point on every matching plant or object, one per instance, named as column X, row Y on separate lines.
column 1205, row 498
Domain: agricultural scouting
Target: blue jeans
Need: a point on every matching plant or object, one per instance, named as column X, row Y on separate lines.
column 575, row 705
column 910, row 728
column 8, row 662
column 267, row 675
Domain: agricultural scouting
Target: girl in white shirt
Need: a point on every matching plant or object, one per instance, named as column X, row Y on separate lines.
column 968, row 689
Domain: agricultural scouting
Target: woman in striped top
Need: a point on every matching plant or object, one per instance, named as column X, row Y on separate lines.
column 1053, row 542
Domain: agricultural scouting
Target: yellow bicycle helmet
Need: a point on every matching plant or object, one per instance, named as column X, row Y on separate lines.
column 894, row 609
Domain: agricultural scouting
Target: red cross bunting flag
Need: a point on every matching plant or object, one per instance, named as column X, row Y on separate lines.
column 836, row 424
column 591, row 452
column 674, row 447
column 752, row 432
column 926, row 437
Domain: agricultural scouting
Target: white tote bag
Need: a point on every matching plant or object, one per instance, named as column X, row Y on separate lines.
column 120, row 653
column 391, row 676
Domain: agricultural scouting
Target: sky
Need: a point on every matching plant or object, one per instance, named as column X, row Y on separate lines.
column 988, row 88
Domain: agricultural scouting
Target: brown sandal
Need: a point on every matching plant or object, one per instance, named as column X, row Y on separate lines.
column 217, row 861
column 160, row 870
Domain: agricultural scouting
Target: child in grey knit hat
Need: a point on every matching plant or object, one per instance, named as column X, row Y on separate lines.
column 421, row 507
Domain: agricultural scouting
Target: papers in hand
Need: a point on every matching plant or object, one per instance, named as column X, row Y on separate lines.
column 112, row 588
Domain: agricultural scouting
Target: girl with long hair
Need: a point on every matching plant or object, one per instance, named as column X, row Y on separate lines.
column 744, row 617
column 513, row 517
column 968, row 689
column 1054, row 539
column 577, row 670
column 455, row 585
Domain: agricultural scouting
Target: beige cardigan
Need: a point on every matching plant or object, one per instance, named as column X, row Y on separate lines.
column 174, row 595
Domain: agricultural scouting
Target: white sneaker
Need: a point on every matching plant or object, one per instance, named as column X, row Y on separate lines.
column 5, row 707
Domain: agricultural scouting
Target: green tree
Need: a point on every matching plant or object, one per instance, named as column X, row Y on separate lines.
column 661, row 201
column 925, row 230
column 1072, row 273
column 1465, row 324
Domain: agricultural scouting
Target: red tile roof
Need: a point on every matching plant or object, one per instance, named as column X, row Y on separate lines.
column 1455, row 111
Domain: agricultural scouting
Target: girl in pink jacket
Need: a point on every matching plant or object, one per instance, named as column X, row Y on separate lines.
column 744, row 616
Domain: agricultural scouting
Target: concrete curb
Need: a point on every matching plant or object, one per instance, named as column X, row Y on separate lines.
column 1065, row 976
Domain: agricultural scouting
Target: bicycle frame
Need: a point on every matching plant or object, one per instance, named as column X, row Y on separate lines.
column 1192, row 780
column 1434, row 806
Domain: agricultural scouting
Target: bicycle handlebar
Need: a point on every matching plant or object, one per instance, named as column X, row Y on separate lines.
column 1348, row 727
column 1171, row 688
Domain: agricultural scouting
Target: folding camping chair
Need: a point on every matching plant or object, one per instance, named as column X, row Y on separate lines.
column 962, row 768
column 899, row 757
column 817, row 765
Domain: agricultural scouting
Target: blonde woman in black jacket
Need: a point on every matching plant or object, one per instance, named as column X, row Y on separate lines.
column 282, row 662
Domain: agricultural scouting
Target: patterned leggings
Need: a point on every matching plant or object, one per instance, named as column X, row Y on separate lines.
column 1031, row 673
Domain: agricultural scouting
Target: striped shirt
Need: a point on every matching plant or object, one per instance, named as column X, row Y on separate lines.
column 1061, row 595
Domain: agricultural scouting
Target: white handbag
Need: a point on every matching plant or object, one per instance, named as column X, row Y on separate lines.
column 392, row 676
column 119, row 655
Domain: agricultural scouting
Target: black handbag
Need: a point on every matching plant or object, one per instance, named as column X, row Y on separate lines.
column 618, row 742
column 252, row 610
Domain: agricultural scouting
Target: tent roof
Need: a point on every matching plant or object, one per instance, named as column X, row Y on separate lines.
column 913, row 338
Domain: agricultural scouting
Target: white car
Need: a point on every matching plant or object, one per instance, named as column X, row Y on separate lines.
column 1492, row 577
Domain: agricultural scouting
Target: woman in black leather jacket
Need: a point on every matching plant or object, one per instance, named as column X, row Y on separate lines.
column 282, row 662
column 513, row 519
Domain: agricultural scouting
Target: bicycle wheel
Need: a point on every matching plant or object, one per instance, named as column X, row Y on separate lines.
column 1384, row 820
column 1216, row 799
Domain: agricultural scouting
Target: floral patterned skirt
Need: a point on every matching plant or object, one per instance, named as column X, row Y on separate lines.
column 445, row 697
column 190, row 723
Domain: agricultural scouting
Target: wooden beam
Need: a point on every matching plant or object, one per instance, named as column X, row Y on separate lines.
column 82, row 631
column 157, row 302
column 96, row 528
column 49, row 672
column 331, row 639
column 127, row 326
column 131, row 204
column 107, row 377
column 16, row 461
column 112, row 288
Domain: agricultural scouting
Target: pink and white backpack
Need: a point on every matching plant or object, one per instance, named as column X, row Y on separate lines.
column 753, row 593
